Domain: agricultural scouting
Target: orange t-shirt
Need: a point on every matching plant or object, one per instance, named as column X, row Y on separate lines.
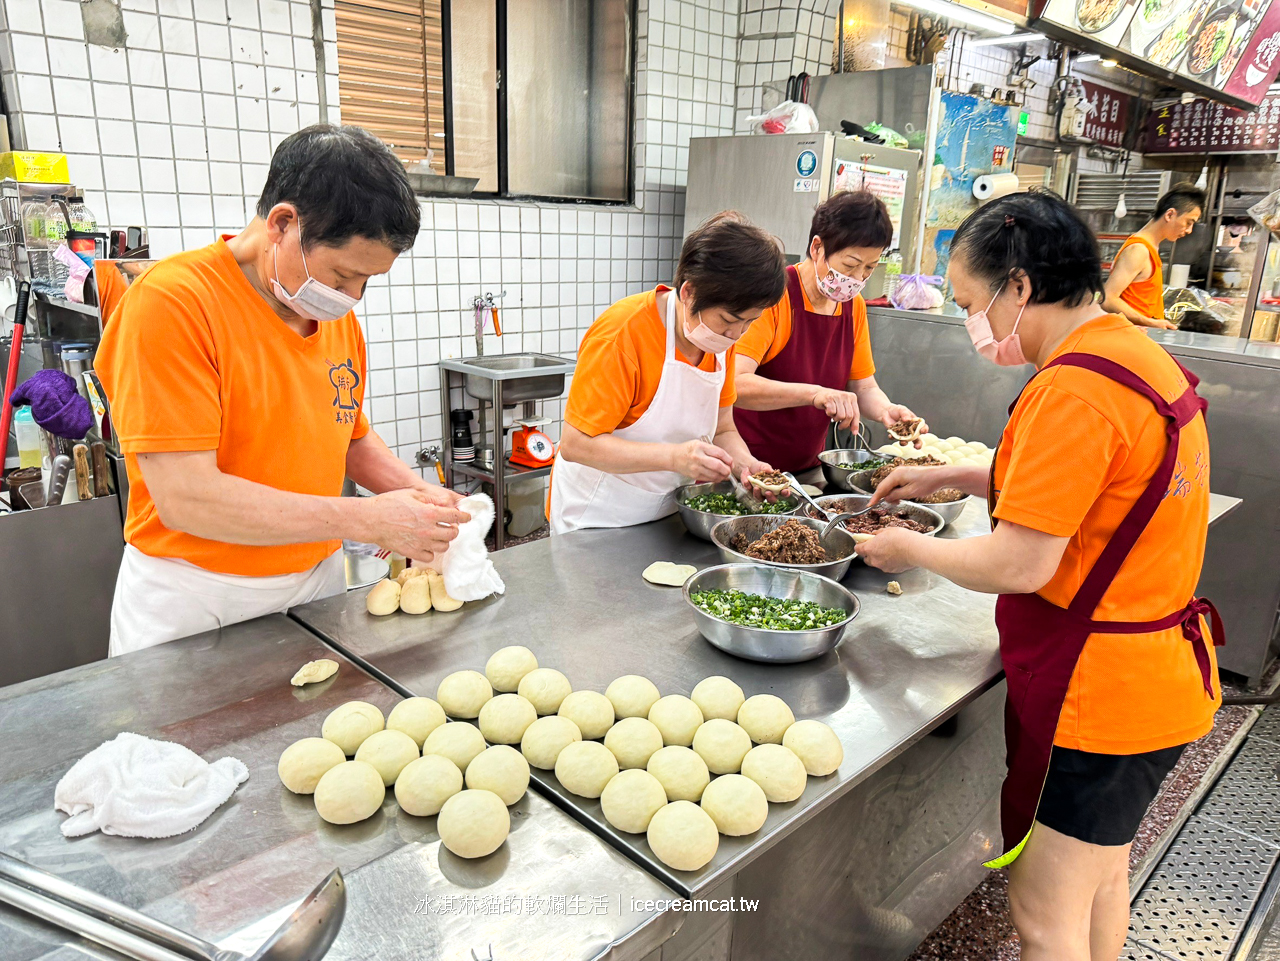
column 1078, row 451
column 765, row 339
column 1146, row 296
column 620, row 364
column 195, row 360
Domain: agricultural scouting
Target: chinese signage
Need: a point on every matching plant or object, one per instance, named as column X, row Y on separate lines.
column 1109, row 118
column 887, row 183
column 1203, row 126
column 1226, row 51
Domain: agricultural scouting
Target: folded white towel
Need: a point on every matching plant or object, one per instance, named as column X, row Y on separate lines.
column 137, row 787
column 469, row 575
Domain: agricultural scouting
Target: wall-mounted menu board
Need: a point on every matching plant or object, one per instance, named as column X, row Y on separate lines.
column 1223, row 49
column 1203, row 126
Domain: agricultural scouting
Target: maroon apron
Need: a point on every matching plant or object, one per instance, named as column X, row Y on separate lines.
column 1040, row 642
column 819, row 351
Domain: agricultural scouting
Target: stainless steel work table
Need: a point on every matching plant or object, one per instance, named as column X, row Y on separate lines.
column 235, row 877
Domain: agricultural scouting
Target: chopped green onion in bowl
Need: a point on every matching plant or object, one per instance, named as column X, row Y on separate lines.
column 770, row 613
column 730, row 506
column 865, row 465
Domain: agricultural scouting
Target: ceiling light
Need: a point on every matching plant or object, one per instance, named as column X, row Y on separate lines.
column 961, row 14
column 999, row 41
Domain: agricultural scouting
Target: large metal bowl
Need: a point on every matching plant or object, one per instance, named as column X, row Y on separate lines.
column 760, row 644
column 840, row 476
column 699, row 523
column 917, row 512
column 948, row 511
column 839, row 543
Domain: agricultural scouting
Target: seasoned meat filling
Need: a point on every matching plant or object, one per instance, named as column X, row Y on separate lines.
column 791, row 543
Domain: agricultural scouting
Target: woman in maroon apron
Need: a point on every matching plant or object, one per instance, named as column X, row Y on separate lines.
column 1099, row 498
column 807, row 361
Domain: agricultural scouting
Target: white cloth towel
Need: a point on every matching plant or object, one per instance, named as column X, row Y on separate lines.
column 137, row 787
column 469, row 575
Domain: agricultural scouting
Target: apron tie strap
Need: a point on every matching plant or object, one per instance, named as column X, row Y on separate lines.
column 1201, row 607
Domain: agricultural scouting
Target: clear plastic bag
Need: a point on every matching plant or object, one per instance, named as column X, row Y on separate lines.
column 917, row 292
column 786, row 117
column 1267, row 212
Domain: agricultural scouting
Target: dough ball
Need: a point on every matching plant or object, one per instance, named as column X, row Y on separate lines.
column 417, row 717
column 930, row 451
column 349, row 724
column 777, row 770
column 680, row 771
column 632, row 695
column 505, row 667
column 546, row 738
column 723, row 745
column 591, row 711
column 736, row 803
column 677, row 718
column 463, row 693
column 816, row 745
column 585, row 767
column 964, row 450
column 473, row 823
column 504, row 719
column 313, row 672
column 668, row 574
column 409, row 572
column 502, row 770
column 633, row 740
column 978, row 446
column 930, row 438
column 389, row 752
column 717, row 696
column 383, row 598
column 415, row 596
column 304, row 762
column 683, row 836
column 766, row 718
column 425, row 784
column 350, row 792
column 955, row 441
column 460, row 743
column 440, row 598
column 545, row 688
column 631, row 799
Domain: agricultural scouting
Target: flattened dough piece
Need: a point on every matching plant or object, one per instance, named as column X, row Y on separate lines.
column 473, row 824
column 668, row 574
column 463, row 693
column 736, row 803
column 631, row 799
column 313, row 672
column 766, row 718
column 425, row 784
column 683, row 836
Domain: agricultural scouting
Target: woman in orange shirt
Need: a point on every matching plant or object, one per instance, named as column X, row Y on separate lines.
column 1099, row 497
column 651, row 403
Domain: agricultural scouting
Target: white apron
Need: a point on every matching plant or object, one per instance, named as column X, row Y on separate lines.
column 161, row 599
column 686, row 407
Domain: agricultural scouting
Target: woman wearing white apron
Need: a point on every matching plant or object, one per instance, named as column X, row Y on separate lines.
column 651, row 404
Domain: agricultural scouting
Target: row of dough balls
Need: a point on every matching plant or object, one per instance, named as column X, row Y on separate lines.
column 424, row 757
column 953, row 450
column 416, row 591
column 652, row 773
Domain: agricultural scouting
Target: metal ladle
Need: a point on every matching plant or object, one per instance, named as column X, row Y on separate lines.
column 832, row 521
column 306, row 935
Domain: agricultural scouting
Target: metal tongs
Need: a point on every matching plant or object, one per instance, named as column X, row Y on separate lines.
column 306, row 935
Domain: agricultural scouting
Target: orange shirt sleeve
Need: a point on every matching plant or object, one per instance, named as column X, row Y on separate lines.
column 1051, row 481
column 768, row 334
column 863, row 365
column 362, row 422
column 604, row 385
column 161, row 374
column 729, row 390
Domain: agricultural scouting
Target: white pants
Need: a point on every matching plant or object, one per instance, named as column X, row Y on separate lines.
column 161, row 599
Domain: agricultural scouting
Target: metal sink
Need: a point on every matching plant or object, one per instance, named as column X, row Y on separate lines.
column 524, row 376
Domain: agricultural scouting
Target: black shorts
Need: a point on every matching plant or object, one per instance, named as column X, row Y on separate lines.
column 1102, row 798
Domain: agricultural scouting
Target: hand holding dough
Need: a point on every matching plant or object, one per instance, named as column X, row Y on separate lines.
column 766, row 718
column 350, row 792
column 473, row 824
column 507, row 666
column 425, row 784
column 313, row 672
column 304, row 762
column 463, row 693
column 383, row 598
column 349, row 724
column 683, row 836
column 668, row 574
column 415, row 595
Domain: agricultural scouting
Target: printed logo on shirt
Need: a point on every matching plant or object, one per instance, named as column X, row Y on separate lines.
column 1187, row 479
column 345, row 380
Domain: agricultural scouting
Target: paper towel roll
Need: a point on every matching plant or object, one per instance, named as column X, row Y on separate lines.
column 1179, row 274
column 991, row 186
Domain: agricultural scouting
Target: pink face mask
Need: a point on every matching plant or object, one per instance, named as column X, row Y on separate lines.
column 1006, row 352
column 704, row 338
column 837, row 286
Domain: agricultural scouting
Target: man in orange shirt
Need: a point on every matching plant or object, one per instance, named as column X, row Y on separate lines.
column 1135, row 288
column 236, row 377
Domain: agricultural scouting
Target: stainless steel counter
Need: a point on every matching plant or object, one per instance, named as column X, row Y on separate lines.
column 233, row 879
column 905, row 665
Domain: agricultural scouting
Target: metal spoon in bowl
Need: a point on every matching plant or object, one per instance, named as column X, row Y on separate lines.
column 833, row 521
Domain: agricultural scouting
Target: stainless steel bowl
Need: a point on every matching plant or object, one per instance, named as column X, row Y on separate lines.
column 760, row 644
column 699, row 523
column 840, row 476
column 839, row 544
column 917, row 512
column 948, row 511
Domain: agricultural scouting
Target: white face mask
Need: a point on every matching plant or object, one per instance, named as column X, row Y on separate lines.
column 314, row 300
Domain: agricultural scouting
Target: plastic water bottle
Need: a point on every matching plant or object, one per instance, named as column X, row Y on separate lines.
column 82, row 217
column 34, row 236
column 55, row 235
column 892, row 272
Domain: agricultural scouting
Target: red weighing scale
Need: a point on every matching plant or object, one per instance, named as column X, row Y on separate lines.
column 530, row 447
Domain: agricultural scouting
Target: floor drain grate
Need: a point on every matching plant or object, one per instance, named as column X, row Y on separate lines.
column 1268, row 725
column 1248, row 795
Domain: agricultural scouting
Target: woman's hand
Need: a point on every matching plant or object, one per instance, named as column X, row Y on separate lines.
column 840, row 405
column 440, row 496
column 895, row 414
column 752, row 466
column 910, row 484
column 889, row 550
column 705, row 463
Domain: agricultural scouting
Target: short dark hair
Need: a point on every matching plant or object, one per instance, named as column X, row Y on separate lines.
column 1037, row 233
column 1183, row 198
column 732, row 263
column 345, row 183
column 853, row 218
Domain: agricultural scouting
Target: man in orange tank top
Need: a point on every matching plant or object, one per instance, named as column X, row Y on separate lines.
column 1135, row 288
